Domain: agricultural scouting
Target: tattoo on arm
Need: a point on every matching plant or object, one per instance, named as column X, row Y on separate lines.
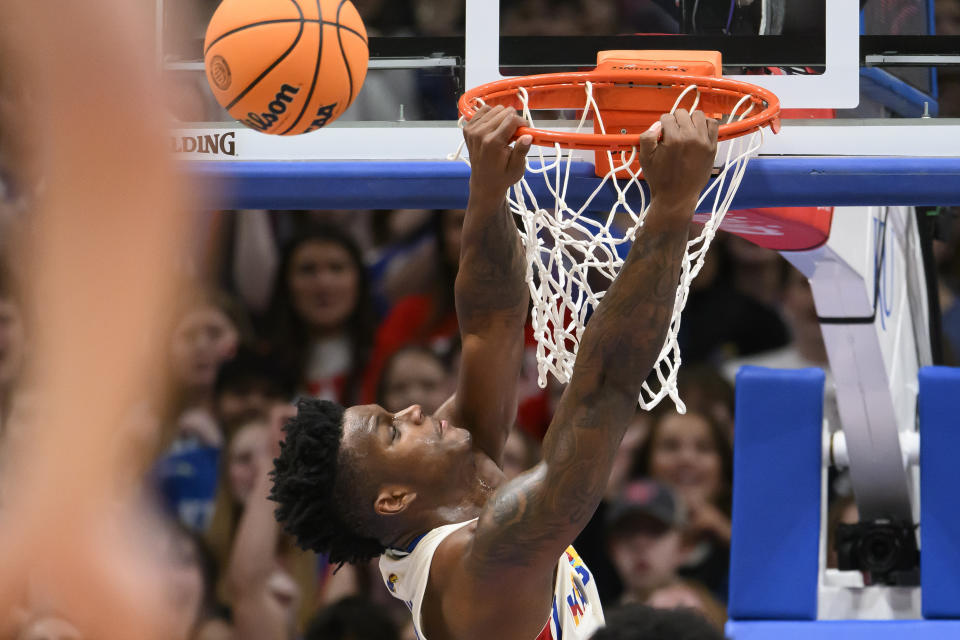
column 533, row 518
column 492, row 265
column 491, row 301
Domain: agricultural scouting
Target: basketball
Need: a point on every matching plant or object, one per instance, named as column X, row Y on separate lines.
column 286, row 67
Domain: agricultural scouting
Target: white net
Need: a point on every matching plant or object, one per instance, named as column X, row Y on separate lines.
column 573, row 254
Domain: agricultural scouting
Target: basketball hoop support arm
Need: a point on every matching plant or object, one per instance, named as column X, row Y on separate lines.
column 873, row 314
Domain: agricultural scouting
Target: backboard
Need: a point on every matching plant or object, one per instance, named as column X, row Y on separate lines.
column 817, row 43
column 869, row 74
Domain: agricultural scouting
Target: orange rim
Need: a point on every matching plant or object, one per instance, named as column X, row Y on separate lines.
column 561, row 91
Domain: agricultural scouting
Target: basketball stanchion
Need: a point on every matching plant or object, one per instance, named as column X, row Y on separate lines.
column 569, row 244
column 284, row 67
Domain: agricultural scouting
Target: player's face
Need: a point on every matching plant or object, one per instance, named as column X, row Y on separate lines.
column 407, row 447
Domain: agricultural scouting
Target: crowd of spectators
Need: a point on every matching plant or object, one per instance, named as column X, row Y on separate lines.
column 358, row 307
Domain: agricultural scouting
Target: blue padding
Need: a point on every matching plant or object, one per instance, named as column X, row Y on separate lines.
column 768, row 182
column 846, row 630
column 774, row 556
column 939, row 406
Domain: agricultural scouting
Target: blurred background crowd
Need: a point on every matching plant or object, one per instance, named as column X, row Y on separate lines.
column 357, row 307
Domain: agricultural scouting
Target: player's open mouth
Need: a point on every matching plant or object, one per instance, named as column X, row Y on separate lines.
column 441, row 427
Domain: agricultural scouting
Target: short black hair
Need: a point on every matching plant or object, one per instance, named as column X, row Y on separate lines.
column 353, row 618
column 640, row 622
column 321, row 488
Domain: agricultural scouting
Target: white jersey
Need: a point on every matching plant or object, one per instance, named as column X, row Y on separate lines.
column 576, row 612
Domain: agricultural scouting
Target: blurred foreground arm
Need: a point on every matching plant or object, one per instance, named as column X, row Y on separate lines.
column 106, row 229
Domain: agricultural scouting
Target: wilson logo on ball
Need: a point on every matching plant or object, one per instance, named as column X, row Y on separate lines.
column 220, row 72
column 275, row 109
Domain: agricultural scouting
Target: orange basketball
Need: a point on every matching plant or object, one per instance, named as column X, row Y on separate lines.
column 286, row 66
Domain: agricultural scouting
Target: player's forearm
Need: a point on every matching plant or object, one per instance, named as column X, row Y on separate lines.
column 530, row 521
column 620, row 346
column 532, row 518
column 491, row 278
column 627, row 332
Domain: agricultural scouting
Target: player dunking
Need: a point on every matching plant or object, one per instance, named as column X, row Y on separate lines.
column 474, row 556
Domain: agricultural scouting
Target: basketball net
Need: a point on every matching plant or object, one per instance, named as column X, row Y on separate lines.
column 568, row 249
